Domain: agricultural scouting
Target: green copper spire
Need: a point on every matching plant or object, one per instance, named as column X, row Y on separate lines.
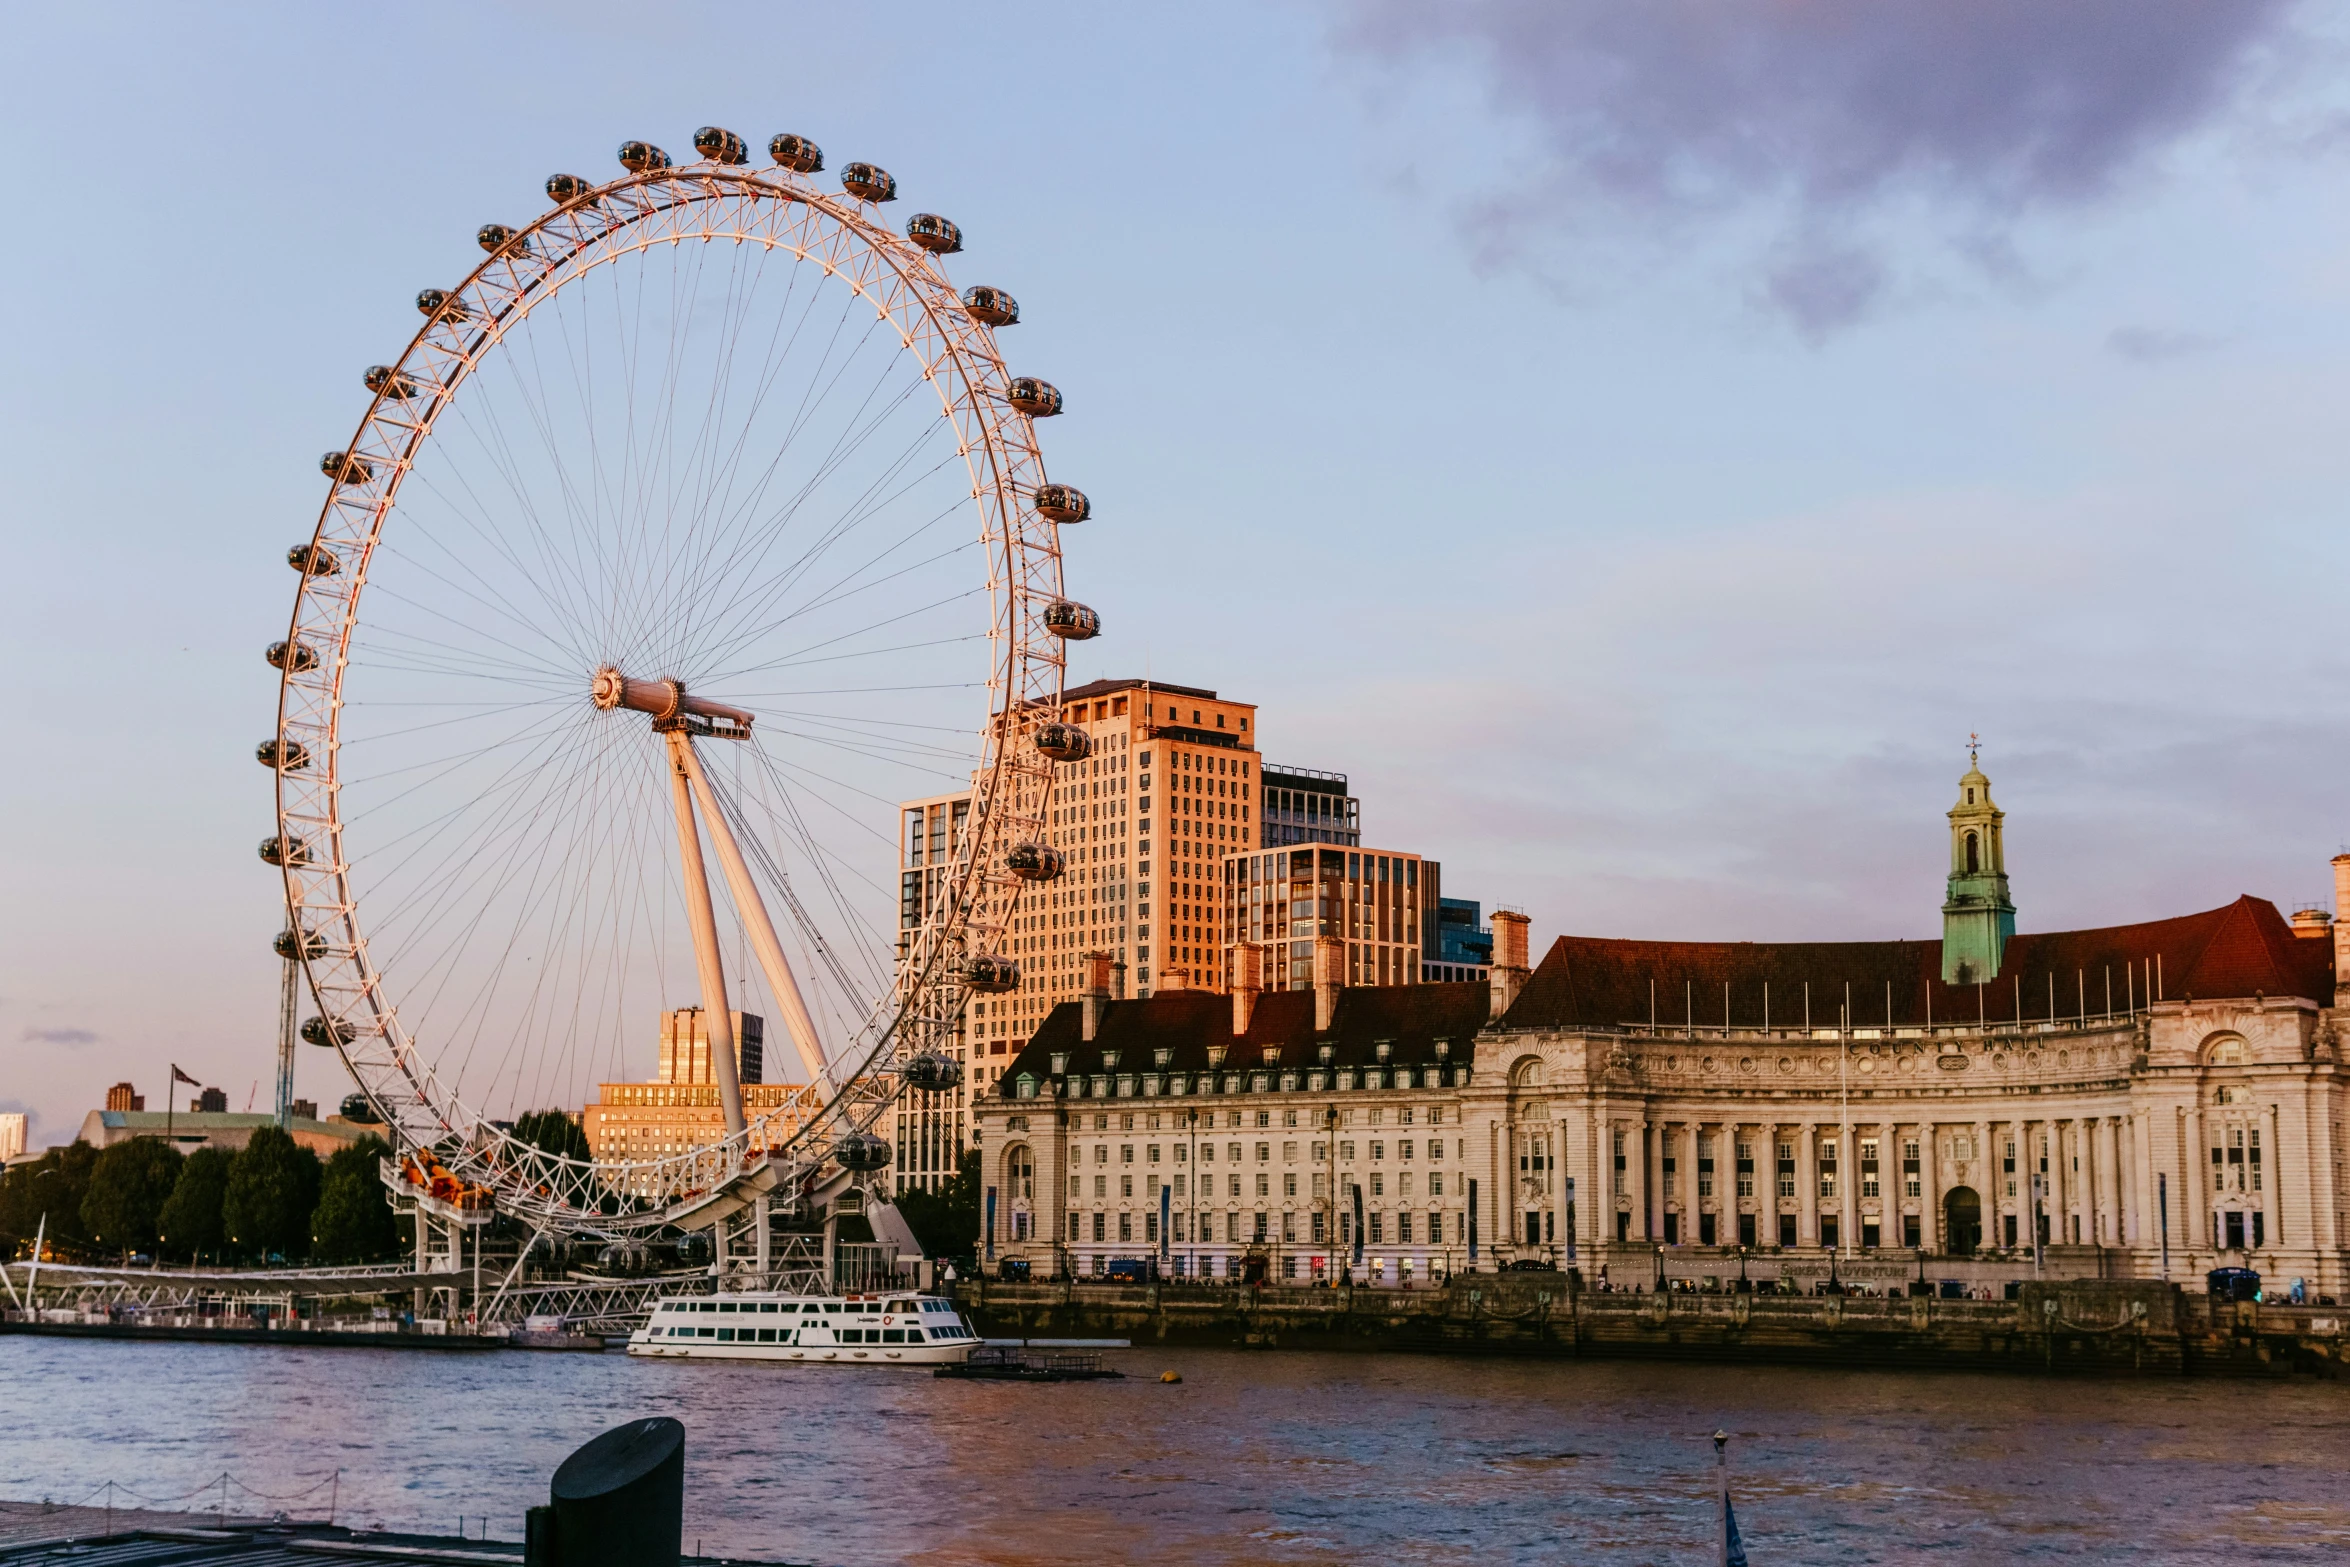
column 1977, row 916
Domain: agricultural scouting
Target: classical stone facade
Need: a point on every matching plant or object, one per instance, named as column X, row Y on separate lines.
column 2156, row 1098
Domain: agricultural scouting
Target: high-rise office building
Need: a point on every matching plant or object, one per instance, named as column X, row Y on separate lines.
column 1303, row 805
column 1380, row 904
column 685, row 1047
column 1457, row 946
column 679, row 1110
column 122, row 1096
column 930, row 1126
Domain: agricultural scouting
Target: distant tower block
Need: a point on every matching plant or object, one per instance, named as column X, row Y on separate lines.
column 685, row 1047
column 1978, row 916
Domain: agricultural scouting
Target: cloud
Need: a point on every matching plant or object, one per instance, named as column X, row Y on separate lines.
column 2152, row 345
column 1821, row 114
column 59, row 1036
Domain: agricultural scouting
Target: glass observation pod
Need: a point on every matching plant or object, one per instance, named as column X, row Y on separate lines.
column 720, row 145
column 440, row 304
column 318, row 1031
column 991, row 973
column 1062, row 503
column 1035, row 861
column 286, row 945
column 861, row 1151
column 991, row 305
column 300, row 657
column 796, row 153
column 384, row 381
column 935, row 234
column 313, row 560
column 1037, row 399
column 931, row 1073
column 282, row 852
column 1072, row 621
column 642, row 157
column 1063, row 742
column 344, row 468
column 493, row 237
column 289, row 755
column 867, row 182
column 564, row 189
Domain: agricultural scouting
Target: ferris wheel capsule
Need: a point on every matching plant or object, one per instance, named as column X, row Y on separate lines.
column 641, row 157
column 991, row 305
column 720, row 146
column 440, row 305
column 310, row 944
column 299, row 657
column 861, row 1151
column 319, row 1031
column 1072, row 622
column 1035, row 862
column 931, row 1073
column 282, row 755
column 866, row 181
column 1062, row 503
column 345, row 468
column 1063, row 742
column 1037, row 399
column 313, row 560
column 796, row 153
column 284, row 850
column 935, row 234
column 991, row 973
column 384, row 381
column 567, row 188
column 493, row 237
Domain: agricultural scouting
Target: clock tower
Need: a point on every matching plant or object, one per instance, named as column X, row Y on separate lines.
column 1978, row 917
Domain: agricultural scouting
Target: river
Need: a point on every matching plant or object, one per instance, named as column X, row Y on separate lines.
column 1254, row 1457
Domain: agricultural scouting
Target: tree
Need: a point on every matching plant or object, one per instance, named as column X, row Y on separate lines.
column 946, row 1221
column 353, row 1222
column 555, row 1132
column 190, row 1224
column 49, row 1188
column 129, row 1184
column 272, row 1191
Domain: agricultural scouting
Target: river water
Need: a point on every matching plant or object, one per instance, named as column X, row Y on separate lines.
column 1253, row 1458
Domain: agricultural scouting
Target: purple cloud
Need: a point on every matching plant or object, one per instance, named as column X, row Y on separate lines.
column 59, row 1036
column 1823, row 110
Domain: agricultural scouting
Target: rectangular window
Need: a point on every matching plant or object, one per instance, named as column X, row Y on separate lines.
column 1101, row 1226
column 1745, row 1151
column 1786, row 1172
column 1378, row 1229
column 1378, row 1183
column 1670, row 1165
column 1910, row 1178
column 1435, row 1183
column 1868, row 1170
column 1264, row 1185
column 1403, row 1183
column 1705, row 1169
column 1125, row 1185
column 1403, row 1229
column 1289, row 1183
column 1101, row 1186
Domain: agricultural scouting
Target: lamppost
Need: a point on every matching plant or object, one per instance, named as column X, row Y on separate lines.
column 1191, row 1123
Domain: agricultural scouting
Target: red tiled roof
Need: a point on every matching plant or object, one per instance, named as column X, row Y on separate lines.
column 2241, row 950
column 1408, row 1019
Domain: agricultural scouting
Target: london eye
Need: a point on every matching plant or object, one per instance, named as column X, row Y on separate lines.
column 700, row 522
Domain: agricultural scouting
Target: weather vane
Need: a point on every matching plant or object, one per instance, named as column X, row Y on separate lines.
column 1974, row 748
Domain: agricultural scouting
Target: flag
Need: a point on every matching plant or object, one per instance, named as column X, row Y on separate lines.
column 1733, row 1548
column 179, row 1076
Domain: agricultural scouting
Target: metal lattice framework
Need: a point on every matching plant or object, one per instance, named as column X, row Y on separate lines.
column 359, row 1005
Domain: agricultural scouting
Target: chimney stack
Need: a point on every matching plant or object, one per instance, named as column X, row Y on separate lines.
column 1245, row 962
column 1096, row 995
column 1174, row 979
column 1509, row 959
column 2342, row 930
column 1329, row 974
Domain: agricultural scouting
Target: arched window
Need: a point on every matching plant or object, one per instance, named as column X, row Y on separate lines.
column 2227, row 1052
column 1974, row 856
column 1528, row 1073
column 1020, row 1172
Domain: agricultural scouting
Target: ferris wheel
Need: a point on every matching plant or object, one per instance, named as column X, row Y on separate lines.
column 700, row 520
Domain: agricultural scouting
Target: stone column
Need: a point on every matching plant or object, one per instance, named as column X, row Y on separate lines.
column 2195, row 1179
column 1930, row 1188
column 2023, row 1181
column 1848, row 1187
column 2272, row 1186
column 1984, row 1168
column 1807, row 1184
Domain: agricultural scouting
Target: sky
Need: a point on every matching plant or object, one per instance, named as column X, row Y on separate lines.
column 1638, row 445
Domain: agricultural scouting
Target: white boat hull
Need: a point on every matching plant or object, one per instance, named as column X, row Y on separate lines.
column 839, row 1330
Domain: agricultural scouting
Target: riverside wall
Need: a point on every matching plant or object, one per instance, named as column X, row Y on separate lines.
column 2094, row 1326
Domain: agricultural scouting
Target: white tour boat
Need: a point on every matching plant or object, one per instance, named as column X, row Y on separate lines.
column 879, row 1330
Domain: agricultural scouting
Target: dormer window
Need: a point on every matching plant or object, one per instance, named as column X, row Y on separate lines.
column 1324, row 1053
column 1272, row 1055
column 1060, row 1062
column 1443, row 1048
column 1215, row 1055
column 1109, row 1060
column 1383, row 1048
column 1161, row 1056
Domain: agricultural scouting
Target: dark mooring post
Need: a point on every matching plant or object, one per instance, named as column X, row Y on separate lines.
column 617, row 1502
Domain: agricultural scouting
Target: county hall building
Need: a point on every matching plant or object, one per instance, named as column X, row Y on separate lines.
column 2161, row 1097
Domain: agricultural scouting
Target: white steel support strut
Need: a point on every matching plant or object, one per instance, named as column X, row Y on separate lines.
column 752, row 910
column 716, row 1019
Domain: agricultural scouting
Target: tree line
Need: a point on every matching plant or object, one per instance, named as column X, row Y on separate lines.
column 270, row 1201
